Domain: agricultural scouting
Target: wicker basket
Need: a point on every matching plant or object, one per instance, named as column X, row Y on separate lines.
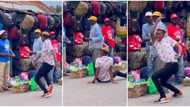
column 20, row 89
column 137, row 91
column 79, row 74
column 186, row 82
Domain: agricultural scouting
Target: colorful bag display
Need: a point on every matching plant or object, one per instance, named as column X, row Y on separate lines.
column 121, row 31
column 134, row 43
column 78, row 38
column 107, row 33
column 24, row 52
column 28, row 22
column 96, row 8
column 55, row 50
column 81, row 9
column 43, row 21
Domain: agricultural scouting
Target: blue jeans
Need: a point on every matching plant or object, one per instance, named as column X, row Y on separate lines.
column 150, row 58
column 179, row 75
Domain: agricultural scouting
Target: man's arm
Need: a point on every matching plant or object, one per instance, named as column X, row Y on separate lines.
column 179, row 48
column 96, row 75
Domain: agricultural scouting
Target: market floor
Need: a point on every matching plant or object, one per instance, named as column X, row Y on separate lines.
column 82, row 93
column 31, row 98
column 148, row 100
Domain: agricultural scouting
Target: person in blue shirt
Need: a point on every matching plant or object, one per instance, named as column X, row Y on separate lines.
column 5, row 55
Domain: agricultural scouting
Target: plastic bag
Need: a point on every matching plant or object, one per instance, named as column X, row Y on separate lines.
column 32, row 85
column 90, row 69
column 151, row 87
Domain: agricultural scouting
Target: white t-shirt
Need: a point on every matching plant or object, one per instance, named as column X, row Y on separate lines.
column 165, row 49
column 104, row 63
column 47, row 55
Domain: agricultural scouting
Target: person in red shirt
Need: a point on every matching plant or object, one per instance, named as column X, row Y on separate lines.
column 58, row 58
column 173, row 28
column 176, row 32
column 108, row 35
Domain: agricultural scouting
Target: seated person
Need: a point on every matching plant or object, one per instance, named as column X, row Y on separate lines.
column 103, row 67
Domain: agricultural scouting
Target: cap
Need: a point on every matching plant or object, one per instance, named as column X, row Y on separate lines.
column 93, row 18
column 45, row 33
column 156, row 13
column 37, row 31
column 52, row 33
column 148, row 14
column 106, row 20
column 2, row 31
column 173, row 16
column 161, row 26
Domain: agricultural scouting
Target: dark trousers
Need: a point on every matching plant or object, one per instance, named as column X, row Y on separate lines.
column 43, row 72
column 161, row 78
column 120, row 74
column 117, row 73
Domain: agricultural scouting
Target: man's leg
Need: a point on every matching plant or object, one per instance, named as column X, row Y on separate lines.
column 172, row 69
column 121, row 74
column 6, row 74
column 2, row 69
column 41, row 72
column 179, row 75
column 155, row 77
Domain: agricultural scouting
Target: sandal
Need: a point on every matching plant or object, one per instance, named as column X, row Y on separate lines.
column 162, row 100
column 179, row 94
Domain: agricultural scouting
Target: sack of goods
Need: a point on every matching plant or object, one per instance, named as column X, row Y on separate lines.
column 188, row 26
column 137, row 6
column 43, row 21
column 136, row 59
column 81, row 9
column 28, row 22
column 51, row 22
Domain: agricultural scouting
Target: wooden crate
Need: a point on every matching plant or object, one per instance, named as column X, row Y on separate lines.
column 137, row 91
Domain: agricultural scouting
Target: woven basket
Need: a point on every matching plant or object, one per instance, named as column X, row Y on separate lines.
column 137, row 91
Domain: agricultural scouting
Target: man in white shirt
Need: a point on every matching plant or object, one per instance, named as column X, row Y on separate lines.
column 96, row 38
column 103, row 67
column 164, row 46
column 37, row 47
column 147, row 30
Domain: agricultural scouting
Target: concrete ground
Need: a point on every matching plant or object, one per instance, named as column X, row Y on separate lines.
column 82, row 93
column 148, row 100
column 31, row 98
